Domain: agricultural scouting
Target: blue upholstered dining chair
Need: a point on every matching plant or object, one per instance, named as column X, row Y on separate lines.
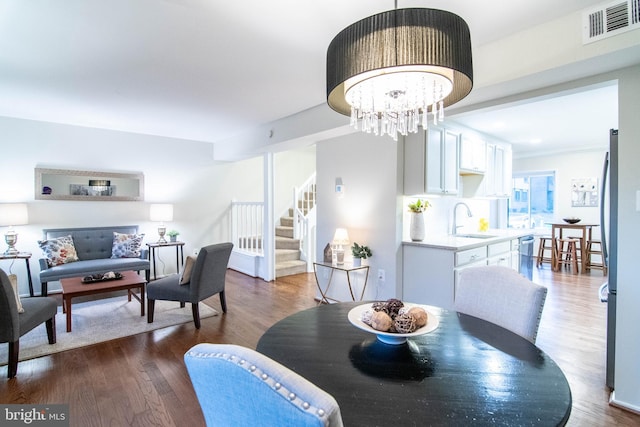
column 205, row 278
column 237, row 386
column 502, row 296
column 13, row 325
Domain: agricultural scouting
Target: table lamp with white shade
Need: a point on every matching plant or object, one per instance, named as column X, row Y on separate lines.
column 340, row 240
column 161, row 212
column 13, row 214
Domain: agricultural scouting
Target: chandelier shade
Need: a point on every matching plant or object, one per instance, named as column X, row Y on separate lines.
column 389, row 69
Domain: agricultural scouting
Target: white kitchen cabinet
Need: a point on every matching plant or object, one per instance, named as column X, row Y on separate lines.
column 431, row 274
column 475, row 257
column 473, row 156
column 497, row 179
column 431, row 162
column 427, row 276
column 499, row 254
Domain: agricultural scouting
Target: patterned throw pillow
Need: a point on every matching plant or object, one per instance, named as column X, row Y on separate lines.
column 58, row 251
column 126, row 245
column 185, row 277
column 14, row 284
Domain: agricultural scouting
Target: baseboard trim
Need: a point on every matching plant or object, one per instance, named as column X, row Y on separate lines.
column 622, row 405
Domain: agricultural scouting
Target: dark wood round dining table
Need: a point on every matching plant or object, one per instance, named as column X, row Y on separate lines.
column 466, row 372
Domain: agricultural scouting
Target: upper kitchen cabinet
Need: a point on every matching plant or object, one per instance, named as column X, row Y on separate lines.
column 473, row 155
column 497, row 180
column 431, row 162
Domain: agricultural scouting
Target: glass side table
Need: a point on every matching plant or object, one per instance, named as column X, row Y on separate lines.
column 348, row 269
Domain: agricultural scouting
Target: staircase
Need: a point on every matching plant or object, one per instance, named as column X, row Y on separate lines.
column 288, row 260
column 294, row 236
column 288, row 252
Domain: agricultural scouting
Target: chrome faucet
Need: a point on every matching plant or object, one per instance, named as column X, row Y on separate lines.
column 454, row 227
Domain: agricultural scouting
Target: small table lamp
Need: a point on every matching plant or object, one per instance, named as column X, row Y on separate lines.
column 13, row 214
column 161, row 212
column 340, row 240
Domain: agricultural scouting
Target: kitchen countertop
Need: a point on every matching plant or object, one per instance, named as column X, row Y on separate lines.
column 456, row 243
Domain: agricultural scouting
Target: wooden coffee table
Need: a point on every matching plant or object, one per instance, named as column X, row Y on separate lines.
column 73, row 287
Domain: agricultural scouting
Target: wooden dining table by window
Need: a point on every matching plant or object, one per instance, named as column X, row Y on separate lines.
column 585, row 229
column 466, row 372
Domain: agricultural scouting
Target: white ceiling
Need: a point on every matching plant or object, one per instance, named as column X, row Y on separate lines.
column 571, row 121
column 205, row 69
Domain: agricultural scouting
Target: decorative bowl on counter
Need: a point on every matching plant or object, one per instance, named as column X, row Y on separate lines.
column 571, row 220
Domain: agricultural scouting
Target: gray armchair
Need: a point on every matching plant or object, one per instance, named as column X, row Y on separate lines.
column 207, row 279
column 13, row 325
column 502, row 296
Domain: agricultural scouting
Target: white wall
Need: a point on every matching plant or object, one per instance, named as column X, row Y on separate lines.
column 627, row 374
column 292, row 169
column 367, row 166
column 176, row 171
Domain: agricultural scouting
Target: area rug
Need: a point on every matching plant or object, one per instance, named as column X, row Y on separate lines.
column 102, row 320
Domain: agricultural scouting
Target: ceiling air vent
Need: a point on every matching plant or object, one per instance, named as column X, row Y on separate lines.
column 610, row 19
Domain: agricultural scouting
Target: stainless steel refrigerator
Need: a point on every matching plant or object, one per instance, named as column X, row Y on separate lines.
column 609, row 238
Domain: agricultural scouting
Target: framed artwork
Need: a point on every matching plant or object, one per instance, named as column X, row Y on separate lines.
column 584, row 192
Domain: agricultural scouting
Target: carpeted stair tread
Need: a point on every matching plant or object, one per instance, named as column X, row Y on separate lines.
column 287, row 268
column 287, row 255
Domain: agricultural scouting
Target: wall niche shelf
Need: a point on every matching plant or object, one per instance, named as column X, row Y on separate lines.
column 67, row 184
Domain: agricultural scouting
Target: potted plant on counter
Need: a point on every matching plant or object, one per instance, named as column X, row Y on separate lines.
column 173, row 235
column 416, row 229
column 359, row 253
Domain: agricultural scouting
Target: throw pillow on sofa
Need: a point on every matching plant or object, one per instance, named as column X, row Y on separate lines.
column 58, row 251
column 126, row 245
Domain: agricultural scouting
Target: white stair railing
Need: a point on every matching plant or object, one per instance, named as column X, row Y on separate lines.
column 304, row 219
column 247, row 226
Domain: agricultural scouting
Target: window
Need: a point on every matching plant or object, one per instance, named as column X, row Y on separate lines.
column 531, row 204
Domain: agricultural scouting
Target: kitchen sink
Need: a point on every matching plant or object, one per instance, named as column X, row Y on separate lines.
column 475, row 236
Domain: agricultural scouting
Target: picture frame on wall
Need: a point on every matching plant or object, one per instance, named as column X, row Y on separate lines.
column 584, row 192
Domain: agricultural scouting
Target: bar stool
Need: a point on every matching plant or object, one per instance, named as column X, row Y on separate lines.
column 567, row 254
column 545, row 244
column 594, row 247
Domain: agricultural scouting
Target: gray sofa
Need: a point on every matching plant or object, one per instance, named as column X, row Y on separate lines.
column 93, row 246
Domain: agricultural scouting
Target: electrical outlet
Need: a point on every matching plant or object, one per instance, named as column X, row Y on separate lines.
column 381, row 275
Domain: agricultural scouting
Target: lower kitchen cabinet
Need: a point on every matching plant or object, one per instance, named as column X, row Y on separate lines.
column 430, row 274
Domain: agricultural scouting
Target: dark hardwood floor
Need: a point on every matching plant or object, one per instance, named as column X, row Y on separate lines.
column 141, row 380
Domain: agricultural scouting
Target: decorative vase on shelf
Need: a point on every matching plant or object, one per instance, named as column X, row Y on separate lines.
column 416, row 229
column 357, row 262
